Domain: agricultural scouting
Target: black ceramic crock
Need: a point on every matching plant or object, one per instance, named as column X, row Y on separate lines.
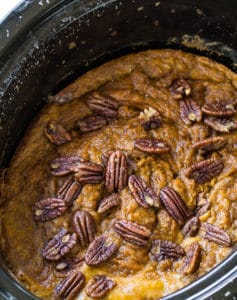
column 45, row 44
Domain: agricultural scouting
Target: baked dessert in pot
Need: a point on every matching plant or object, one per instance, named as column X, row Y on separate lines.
column 124, row 186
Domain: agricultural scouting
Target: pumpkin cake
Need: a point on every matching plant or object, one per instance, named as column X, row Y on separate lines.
column 124, row 186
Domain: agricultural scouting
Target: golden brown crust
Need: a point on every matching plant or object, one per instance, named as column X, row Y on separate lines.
column 138, row 82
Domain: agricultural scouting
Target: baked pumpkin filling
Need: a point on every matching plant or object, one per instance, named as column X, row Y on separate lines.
column 124, row 187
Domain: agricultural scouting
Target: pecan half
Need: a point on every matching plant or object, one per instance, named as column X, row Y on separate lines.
column 221, row 125
column 89, row 173
column 144, row 195
column 84, row 226
column 108, row 202
column 91, row 123
column 210, row 144
column 99, row 286
column 150, row 118
column 180, row 88
column 215, row 234
column 69, row 191
column 65, row 165
column 174, row 204
column 59, row 245
column 99, row 251
column 205, row 170
column 56, row 133
column 116, row 172
column 219, row 109
column 191, row 227
column 190, row 111
column 192, row 260
column 102, row 105
column 152, row 146
column 132, row 232
column 48, row 209
column 69, row 287
column 203, row 205
column 162, row 249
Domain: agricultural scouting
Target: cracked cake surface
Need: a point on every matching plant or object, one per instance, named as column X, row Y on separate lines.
column 124, row 187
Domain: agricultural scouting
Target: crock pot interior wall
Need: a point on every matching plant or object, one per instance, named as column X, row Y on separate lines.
column 45, row 46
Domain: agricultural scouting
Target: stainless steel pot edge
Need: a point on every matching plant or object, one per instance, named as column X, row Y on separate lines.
column 209, row 284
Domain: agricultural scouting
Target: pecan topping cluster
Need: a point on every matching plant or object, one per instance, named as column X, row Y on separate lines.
column 115, row 176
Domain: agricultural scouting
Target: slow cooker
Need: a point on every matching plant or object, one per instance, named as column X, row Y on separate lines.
column 45, row 44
